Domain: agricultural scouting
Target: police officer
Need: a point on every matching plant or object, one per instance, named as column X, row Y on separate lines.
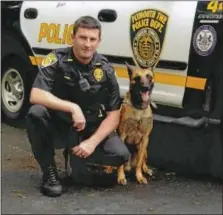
column 76, row 101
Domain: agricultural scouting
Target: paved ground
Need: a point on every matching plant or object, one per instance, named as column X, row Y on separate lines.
column 165, row 193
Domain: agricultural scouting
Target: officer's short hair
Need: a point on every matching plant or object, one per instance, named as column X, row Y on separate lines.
column 87, row 22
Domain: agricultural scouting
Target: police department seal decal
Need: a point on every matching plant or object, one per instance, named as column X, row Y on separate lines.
column 204, row 40
column 146, row 47
column 98, row 74
column 147, row 34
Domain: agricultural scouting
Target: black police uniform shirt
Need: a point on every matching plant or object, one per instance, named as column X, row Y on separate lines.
column 61, row 72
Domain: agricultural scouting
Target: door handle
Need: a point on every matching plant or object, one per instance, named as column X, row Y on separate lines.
column 107, row 15
column 31, row 13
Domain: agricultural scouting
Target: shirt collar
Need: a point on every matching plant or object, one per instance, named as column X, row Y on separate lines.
column 72, row 58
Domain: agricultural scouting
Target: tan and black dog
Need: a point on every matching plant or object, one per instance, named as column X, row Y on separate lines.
column 136, row 122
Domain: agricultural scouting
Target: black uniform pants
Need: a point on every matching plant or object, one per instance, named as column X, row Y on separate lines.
column 46, row 132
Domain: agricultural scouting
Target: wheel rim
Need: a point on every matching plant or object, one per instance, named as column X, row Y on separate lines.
column 12, row 90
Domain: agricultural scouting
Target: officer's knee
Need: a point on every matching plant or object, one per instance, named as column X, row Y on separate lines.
column 37, row 123
column 115, row 146
column 121, row 149
column 37, row 111
column 122, row 157
column 125, row 155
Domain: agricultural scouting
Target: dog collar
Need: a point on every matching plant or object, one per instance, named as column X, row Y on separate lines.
column 137, row 107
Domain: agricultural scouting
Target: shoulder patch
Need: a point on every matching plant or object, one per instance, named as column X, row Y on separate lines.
column 50, row 59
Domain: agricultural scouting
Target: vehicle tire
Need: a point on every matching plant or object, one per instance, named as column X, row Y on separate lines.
column 14, row 89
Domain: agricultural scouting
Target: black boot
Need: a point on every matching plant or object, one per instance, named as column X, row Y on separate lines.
column 51, row 186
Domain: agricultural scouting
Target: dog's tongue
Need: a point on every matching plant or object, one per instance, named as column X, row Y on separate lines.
column 145, row 96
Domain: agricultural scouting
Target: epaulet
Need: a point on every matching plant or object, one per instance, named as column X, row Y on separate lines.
column 105, row 63
column 62, row 51
column 103, row 59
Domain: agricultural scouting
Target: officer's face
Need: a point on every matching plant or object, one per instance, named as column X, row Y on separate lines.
column 85, row 43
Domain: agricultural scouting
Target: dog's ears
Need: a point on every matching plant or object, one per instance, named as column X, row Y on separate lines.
column 129, row 69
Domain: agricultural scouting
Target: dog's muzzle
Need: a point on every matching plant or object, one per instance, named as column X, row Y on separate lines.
column 144, row 89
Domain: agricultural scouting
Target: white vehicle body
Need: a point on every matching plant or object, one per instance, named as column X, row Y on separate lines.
column 47, row 31
column 180, row 40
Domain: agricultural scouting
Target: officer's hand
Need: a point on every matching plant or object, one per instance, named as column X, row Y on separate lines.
column 84, row 149
column 78, row 118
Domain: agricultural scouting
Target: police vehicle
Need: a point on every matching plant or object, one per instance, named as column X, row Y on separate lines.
column 182, row 41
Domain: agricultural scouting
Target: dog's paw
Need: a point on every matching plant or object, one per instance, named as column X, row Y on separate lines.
column 122, row 181
column 147, row 171
column 141, row 180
